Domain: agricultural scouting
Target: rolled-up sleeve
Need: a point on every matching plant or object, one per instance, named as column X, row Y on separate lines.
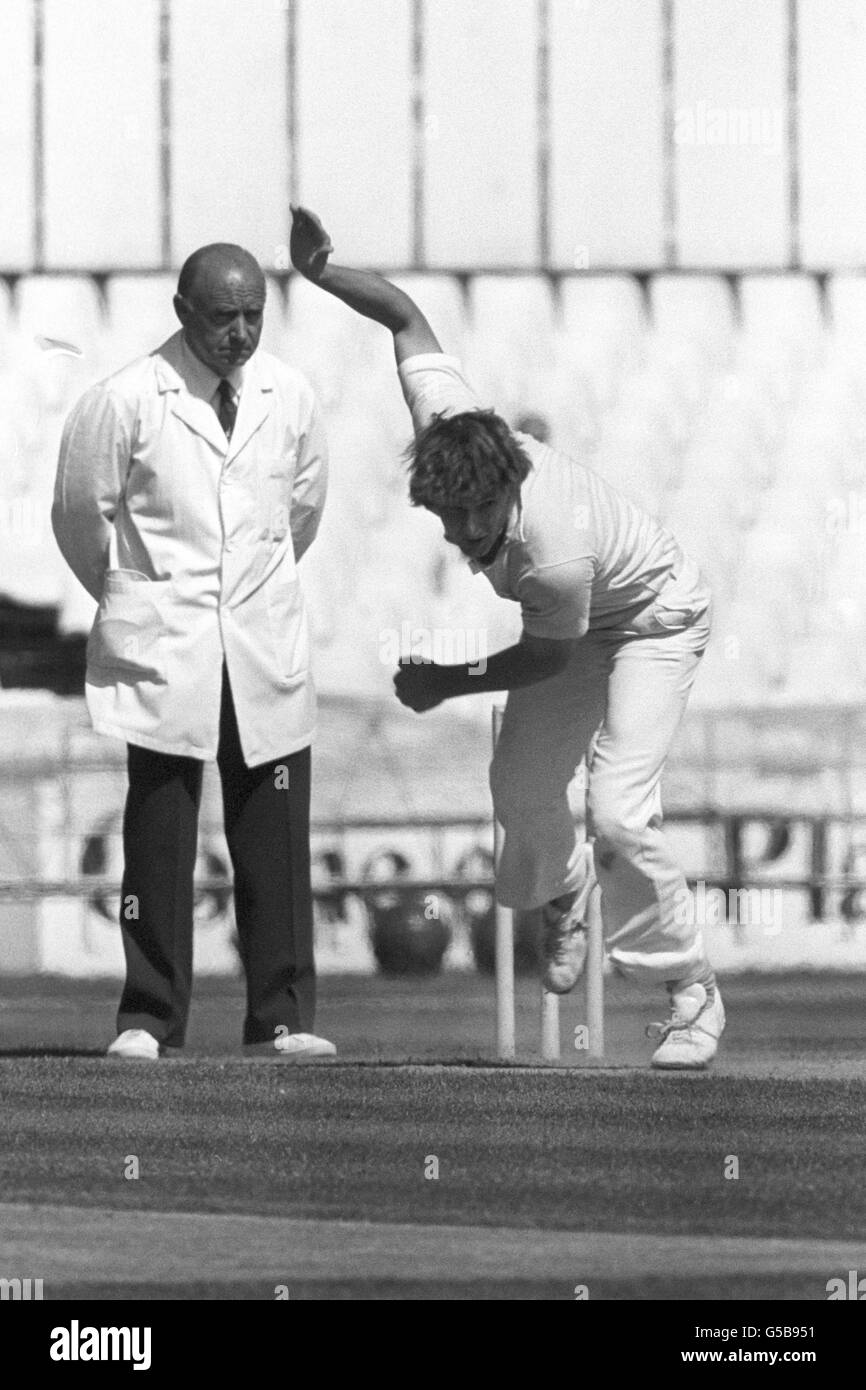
column 91, row 473
column 311, row 482
column 433, row 384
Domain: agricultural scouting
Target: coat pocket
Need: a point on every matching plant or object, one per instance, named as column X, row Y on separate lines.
column 276, row 504
column 129, row 633
column 288, row 627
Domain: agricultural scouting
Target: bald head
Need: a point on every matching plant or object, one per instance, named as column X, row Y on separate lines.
column 210, row 265
column 220, row 301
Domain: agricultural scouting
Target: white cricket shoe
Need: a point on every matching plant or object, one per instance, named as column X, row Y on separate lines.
column 563, row 946
column 691, row 1035
column 291, row 1047
column 135, row 1045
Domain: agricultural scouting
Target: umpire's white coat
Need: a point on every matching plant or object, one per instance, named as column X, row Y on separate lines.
column 189, row 545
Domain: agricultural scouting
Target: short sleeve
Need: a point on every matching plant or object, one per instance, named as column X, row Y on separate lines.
column 434, row 384
column 555, row 599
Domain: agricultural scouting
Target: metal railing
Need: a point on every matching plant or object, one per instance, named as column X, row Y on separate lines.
column 740, row 871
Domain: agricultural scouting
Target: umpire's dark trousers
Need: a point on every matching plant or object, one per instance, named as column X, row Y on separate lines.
column 267, row 826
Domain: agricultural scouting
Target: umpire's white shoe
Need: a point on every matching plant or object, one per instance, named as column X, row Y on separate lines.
column 691, row 1035
column 563, row 946
column 291, row 1047
column 135, row 1045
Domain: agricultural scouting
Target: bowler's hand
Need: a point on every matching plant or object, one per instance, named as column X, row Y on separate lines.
column 420, row 687
column 309, row 244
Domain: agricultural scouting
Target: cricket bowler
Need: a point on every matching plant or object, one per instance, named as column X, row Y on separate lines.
column 615, row 621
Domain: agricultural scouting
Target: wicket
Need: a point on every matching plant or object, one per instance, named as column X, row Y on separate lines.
column 593, row 977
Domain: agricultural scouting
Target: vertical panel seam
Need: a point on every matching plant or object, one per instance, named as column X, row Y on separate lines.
column 419, row 134
column 292, row 98
column 165, row 134
column 543, row 131
column 670, row 239
column 793, row 92
column 38, row 97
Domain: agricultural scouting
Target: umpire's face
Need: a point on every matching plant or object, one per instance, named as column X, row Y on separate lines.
column 222, row 314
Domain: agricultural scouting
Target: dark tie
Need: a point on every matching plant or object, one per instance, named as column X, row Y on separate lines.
column 228, row 410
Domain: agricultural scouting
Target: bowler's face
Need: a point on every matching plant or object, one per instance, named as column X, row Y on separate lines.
column 477, row 530
column 222, row 318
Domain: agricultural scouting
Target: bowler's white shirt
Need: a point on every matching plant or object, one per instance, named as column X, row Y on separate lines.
column 577, row 556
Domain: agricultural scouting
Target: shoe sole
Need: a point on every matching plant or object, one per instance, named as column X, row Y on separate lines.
column 290, row 1061
column 681, row 1066
column 130, row 1057
column 165, row 1055
column 684, row 1066
column 273, row 1056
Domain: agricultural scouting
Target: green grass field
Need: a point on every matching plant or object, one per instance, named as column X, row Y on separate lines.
column 319, row 1177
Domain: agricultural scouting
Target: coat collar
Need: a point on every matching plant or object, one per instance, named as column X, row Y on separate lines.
column 173, row 374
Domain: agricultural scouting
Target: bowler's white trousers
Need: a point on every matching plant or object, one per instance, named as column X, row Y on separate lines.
column 625, row 695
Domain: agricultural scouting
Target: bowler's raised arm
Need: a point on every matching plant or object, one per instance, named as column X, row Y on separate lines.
column 364, row 291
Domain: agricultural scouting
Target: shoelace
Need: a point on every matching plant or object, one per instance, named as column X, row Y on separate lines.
column 672, row 1025
column 664, row 1030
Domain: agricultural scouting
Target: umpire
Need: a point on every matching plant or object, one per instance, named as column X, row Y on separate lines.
column 189, row 485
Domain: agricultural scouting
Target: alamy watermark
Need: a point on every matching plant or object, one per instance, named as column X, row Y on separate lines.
column 853, row 1288
column 446, row 646
column 21, row 1290
column 77, row 1343
column 705, row 125
column 743, row 907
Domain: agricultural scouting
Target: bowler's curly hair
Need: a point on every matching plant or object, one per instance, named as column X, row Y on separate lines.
column 463, row 460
